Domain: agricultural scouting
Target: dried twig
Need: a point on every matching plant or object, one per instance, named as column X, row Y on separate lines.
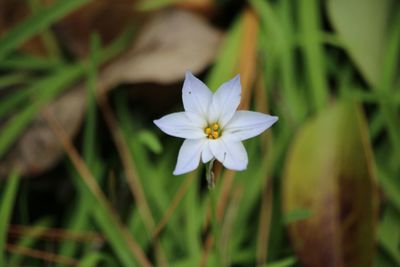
column 54, row 233
column 43, row 255
column 182, row 190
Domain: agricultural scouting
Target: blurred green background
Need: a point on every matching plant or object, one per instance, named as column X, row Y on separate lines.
column 86, row 177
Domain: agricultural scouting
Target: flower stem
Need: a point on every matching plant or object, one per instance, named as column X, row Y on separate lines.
column 213, row 195
column 210, row 174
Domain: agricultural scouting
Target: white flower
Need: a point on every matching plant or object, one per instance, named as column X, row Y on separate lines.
column 211, row 126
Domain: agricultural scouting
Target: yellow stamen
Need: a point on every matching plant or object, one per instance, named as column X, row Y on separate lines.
column 215, row 135
column 212, row 132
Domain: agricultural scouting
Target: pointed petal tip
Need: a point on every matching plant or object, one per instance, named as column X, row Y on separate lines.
column 177, row 172
column 188, row 73
column 239, row 169
column 158, row 123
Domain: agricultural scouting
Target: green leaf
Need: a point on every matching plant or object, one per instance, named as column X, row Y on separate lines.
column 150, row 140
column 329, row 171
column 310, row 21
column 282, row 263
column 148, row 5
column 6, row 206
column 94, row 258
column 389, row 233
column 228, row 57
column 362, row 27
column 29, row 240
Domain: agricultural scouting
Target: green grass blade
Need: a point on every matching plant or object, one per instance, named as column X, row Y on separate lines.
column 227, row 59
column 148, row 5
column 37, row 23
column 13, row 79
column 313, row 52
column 6, row 206
column 29, row 240
column 282, row 263
column 28, row 62
column 94, row 259
column 80, row 218
column 46, row 89
column 54, row 85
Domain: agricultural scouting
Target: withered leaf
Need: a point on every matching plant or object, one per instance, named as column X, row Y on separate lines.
column 172, row 42
column 330, row 173
column 38, row 148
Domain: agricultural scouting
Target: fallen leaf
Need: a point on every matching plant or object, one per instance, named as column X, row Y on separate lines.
column 38, row 149
column 329, row 173
column 172, row 42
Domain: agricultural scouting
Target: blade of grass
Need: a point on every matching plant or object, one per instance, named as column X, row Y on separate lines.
column 29, row 240
column 93, row 259
column 228, row 57
column 6, row 206
column 28, row 62
column 80, row 218
column 13, row 79
column 279, row 39
column 122, row 242
column 391, row 187
column 282, row 263
column 133, row 179
column 45, row 90
column 54, row 85
column 36, row 23
column 389, row 234
column 313, row 52
column 43, row 255
column 46, row 36
column 148, row 5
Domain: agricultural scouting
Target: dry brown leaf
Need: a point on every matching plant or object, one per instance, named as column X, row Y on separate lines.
column 38, row 148
column 171, row 43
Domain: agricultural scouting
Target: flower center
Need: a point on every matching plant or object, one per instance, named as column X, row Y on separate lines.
column 213, row 131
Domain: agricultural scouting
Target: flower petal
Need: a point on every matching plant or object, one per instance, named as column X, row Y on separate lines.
column 225, row 101
column 178, row 124
column 206, row 155
column 230, row 153
column 247, row 124
column 189, row 156
column 195, row 95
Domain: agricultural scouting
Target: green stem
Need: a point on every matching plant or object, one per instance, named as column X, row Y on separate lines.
column 213, row 194
column 210, row 174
